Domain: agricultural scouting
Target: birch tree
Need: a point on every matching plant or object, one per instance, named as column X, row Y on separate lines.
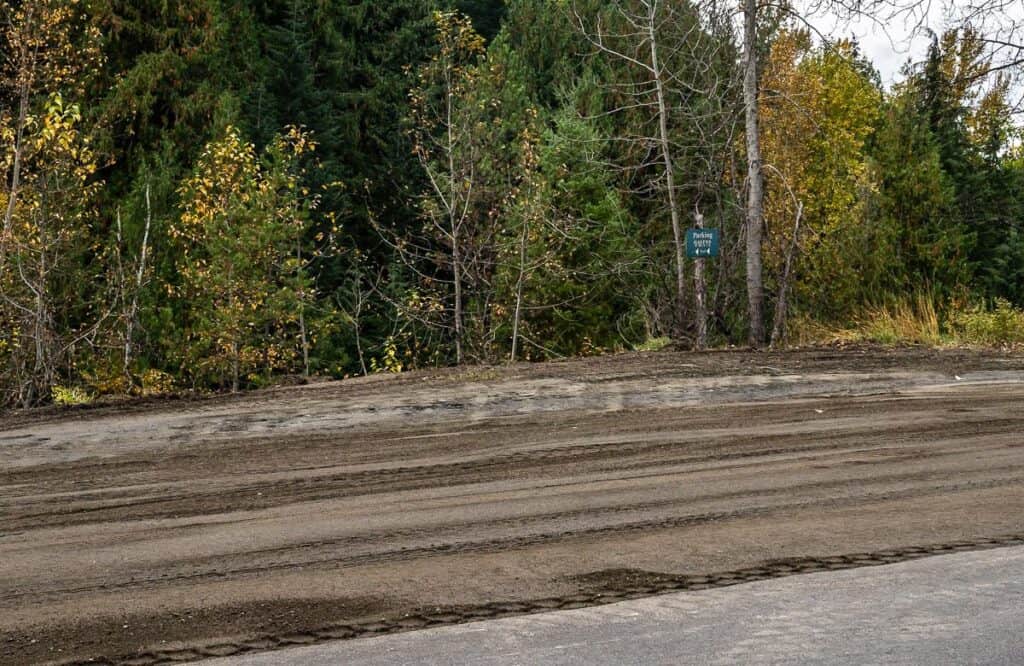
column 755, row 176
column 48, row 54
column 671, row 57
column 129, row 279
column 820, row 110
column 45, row 45
column 245, row 284
column 46, row 240
column 446, row 146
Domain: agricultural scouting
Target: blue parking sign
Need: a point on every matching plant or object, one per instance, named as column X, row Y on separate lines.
column 701, row 243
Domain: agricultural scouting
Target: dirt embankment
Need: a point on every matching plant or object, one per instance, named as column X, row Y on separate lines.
column 185, row 529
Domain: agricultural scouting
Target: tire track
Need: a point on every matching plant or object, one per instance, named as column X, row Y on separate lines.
column 593, row 595
column 218, row 572
column 551, row 462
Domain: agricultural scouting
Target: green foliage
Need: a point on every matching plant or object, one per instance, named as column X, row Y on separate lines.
column 540, row 48
column 817, row 123
column 174, row 78
column 486, row 15
column 155, row 382
column 390, row 359
column 1003, row 324
column 47, row 197
column 242, row 273
column 343, row 71
column 479, row 142
column 924, row 241
column 583, row 254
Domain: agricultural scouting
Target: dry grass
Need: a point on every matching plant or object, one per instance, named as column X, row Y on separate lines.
column 913, row 320
column 916, row 320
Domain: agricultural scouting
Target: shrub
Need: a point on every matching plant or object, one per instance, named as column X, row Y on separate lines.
column 70, row 395
column 156, row 382
column 1002, row 325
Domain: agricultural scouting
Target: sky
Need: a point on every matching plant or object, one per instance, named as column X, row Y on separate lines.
column 888, row 43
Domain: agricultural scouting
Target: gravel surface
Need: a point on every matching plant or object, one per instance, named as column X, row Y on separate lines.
column 200, row 527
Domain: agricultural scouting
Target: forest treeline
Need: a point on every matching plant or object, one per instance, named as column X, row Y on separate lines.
column 219, row 194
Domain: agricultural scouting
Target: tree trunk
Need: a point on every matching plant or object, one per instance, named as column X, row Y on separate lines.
column 356, row 325
column 457, row 275
column 670, row 182
column 40, row 384
column 304, row 339
column 122, row 299
column 700, row 291
column 12, row 193
column 237, row 326
column 234, row 366
column 519, row 290
column 43, row 370
column 24, row 75
column 453, row 221
column 755, row 178
column 133, row 311
column 359, row 350
column 782, row 303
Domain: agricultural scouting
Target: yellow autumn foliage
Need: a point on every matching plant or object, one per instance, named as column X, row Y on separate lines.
column 819, row 109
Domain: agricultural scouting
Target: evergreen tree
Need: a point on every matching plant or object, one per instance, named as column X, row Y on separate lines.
column 970, row 134
column 921, row 234
column 486, row 14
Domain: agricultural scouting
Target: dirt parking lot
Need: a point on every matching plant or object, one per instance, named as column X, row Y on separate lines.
column 179, row 529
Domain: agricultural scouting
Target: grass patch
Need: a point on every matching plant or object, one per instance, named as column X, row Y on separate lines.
column 653, row 344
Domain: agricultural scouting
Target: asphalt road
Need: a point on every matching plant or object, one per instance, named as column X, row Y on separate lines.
column 174, row 530
column 955, row 609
